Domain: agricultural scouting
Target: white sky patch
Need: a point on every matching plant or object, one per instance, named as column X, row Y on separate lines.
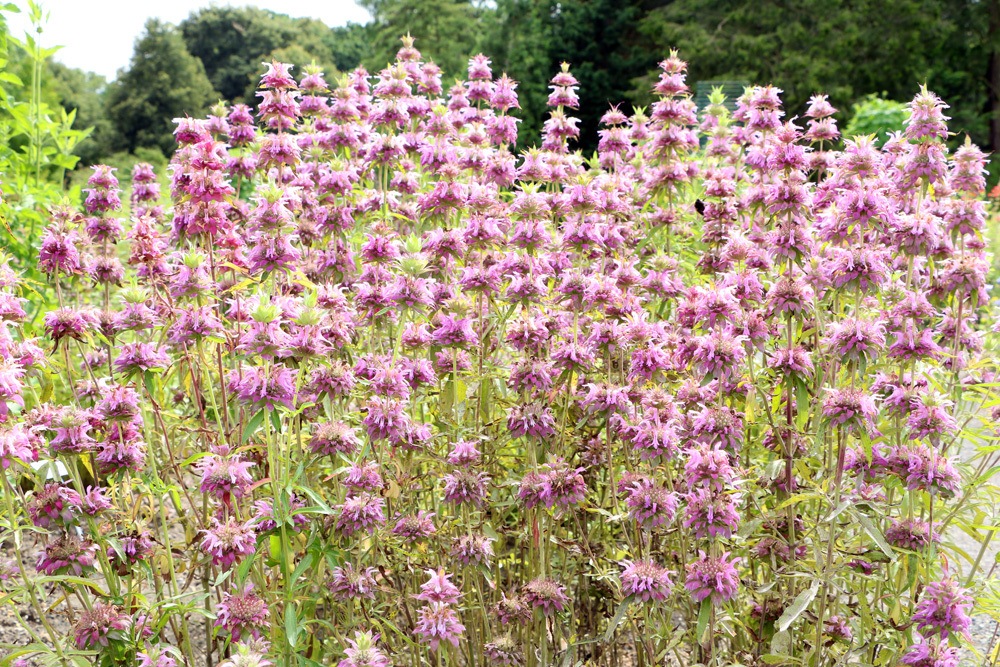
column 98, row 35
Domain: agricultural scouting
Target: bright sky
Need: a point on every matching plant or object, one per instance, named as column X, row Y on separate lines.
column 98, row 35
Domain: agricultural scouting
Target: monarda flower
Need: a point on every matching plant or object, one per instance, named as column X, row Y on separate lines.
column 711, row 513
column 363, row 651
column 645, row 580
column 650, row 504
column 472, row 550
column 350, row 583
column 141, row 357
column 225, row 476
column 561, row 484
column 98, row 626
column 67, row 555
column 242, row 614
column 534, row 419
column 943, row 609
column 854, row 339
column 708, row 467
column 361, row 512
column 229, row 541
column 333, row 438
column 415, row 527
column 546, row 595
column 851, row 408
column 930, row 652
column 466, row 486
column 437, row 622
column 712, row 577
column 438, row 588
column 54, row 505
column 911, row 534
column 504, row 650
column 264, row 387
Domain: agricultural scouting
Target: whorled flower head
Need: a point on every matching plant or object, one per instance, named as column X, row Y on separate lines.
column 713, row 577
column 436, row 623
column 242, row 614
column 363, row 651
column 547, row 595
column 943, row 609
column 645, row 580
column 350, row 583
column 98, row 626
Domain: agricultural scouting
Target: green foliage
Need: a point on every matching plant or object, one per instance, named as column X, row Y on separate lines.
column 84, row 92
column 845, row 49
column 874, row 115
column 163, row 82
column 232, row 42
column 444, row 32
column 37, row 142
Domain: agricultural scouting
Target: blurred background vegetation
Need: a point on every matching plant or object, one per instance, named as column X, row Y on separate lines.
column 868, row 55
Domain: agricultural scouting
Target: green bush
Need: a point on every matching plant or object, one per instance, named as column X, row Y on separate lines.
column 874, row 115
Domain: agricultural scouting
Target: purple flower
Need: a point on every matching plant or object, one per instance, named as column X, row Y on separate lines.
column 350, row 583
column 224, row 475
column 229, row 541
column 141, row 357
column 547, row 595
column 67, row 555
column 466, row 486
column 472, row 550
column 363, row 651
column 100, row 625
column 264, row 387
column 911, row 534
column 438, row 622
column 332, row 438
column 439, row 588
column 650, row 504
column 930, row 652
column 242, row 614
column 53, row 505
column 504, row 650
column 561, row 484
column 851, row 408
column 645, row 580
column 713, row 577
column 711, row 513
column 415, row 527
column 942, row 609
column 361, row 512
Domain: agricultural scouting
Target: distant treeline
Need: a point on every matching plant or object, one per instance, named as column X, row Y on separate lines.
column 847, row 48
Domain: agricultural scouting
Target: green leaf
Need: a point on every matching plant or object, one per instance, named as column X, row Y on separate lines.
column 704, row 614
column 619, row 615
column 876, row 535
column 254, row 424
column 799, row 605
column 275, row 420
column 291, row 624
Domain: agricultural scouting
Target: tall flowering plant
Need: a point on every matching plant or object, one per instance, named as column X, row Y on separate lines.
column 371, row 389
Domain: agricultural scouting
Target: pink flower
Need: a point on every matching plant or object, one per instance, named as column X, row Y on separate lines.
column 438, row 622
column 712, row 577
column 242, row 614
column 645, row 580
column 942, row 609
column 229, row 541
column 547, row 595
column 98, row 626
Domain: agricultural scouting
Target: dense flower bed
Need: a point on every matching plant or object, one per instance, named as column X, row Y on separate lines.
column 373, row 389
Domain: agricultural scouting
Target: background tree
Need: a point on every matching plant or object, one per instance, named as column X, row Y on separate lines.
column 232, row 42
column 445, row 32
column 164, row 81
